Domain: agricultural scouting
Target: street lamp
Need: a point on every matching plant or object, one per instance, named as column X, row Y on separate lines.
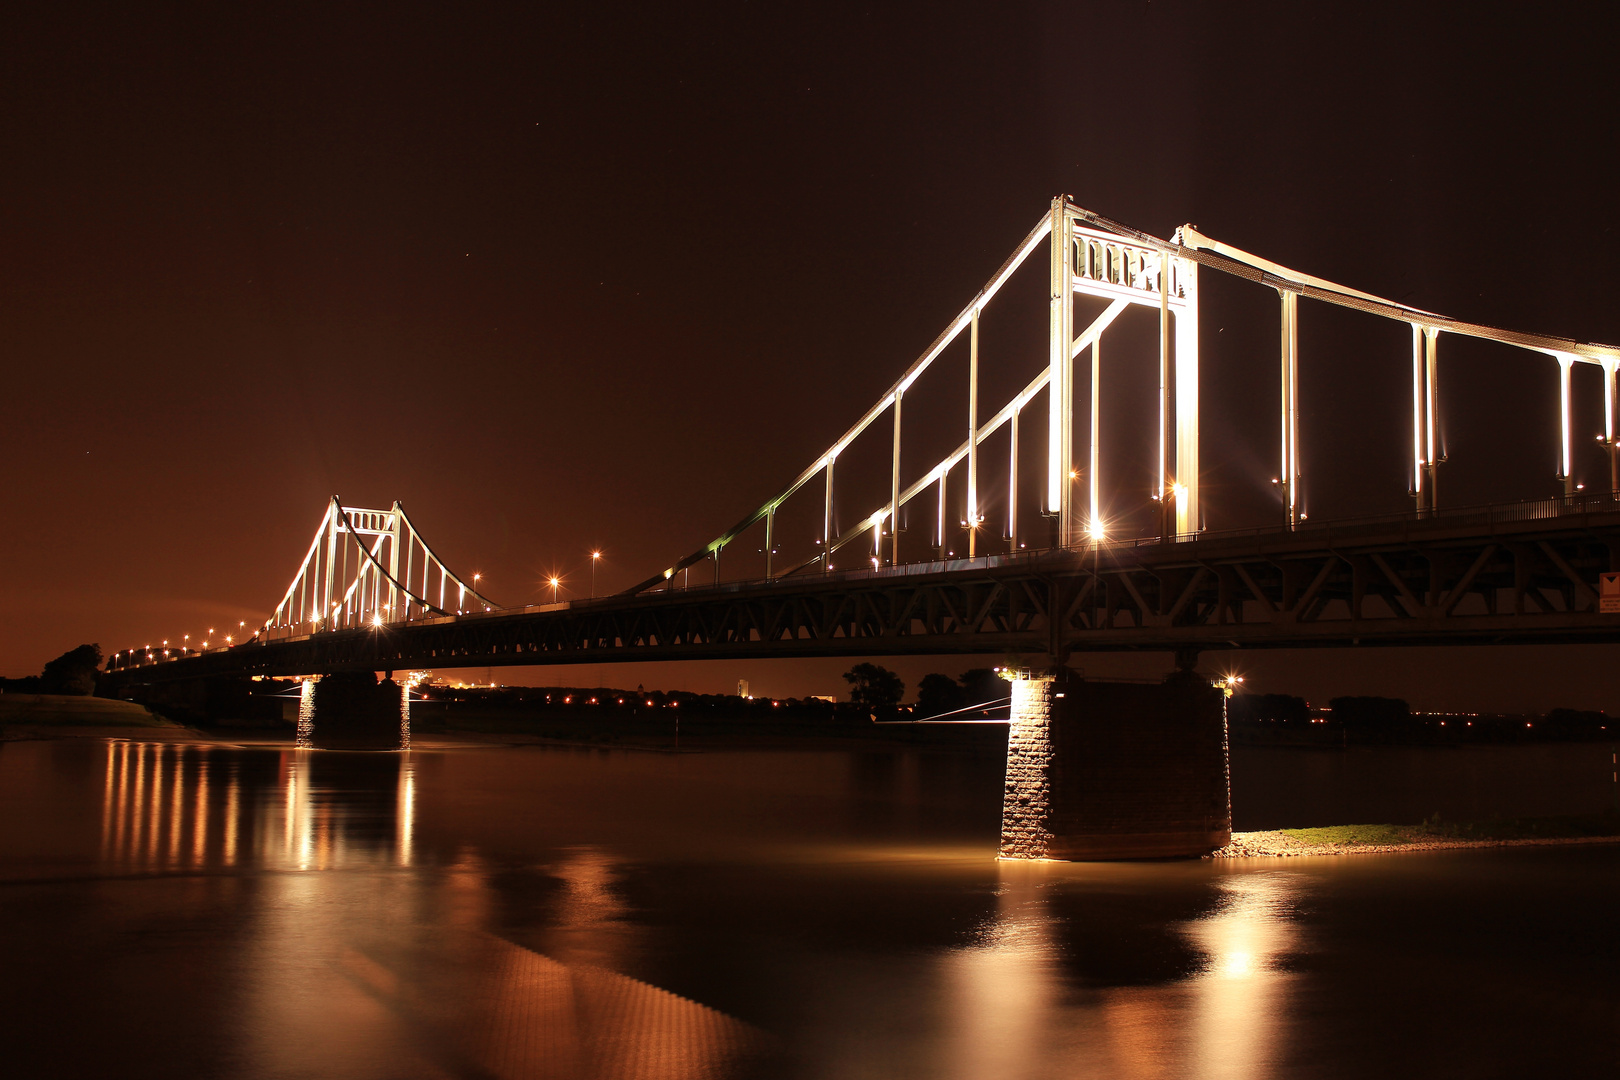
column 554, row 582
column 595, row 555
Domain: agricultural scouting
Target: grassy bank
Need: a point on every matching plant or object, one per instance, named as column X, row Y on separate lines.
column 66, row 711
column 1427, row 836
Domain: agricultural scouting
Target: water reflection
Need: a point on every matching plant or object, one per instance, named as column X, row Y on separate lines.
column 173, row 806
column 1225, row 1019
column 1035, row 995
column 1002, row 992
column 341, row 983
column 1238, row 1001
column 493, row 913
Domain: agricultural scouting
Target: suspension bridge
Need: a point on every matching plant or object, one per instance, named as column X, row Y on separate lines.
column 372, row 595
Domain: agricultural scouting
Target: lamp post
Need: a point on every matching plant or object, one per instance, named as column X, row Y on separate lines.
column 595, row 557
column 554, row 581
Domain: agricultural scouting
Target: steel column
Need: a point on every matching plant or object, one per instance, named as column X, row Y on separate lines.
column 894, row 490
column 1094, row 527
column 770, row 535
column 1060, row 404
column 1565, row 472
column 1012, row 482
column 1188, row 520
column 826, row 519
column 1431, row 397
column 1419, row 489
column 393, row 563
column 1290, row 407
column 331, row 560
column 1167, row 525
column 973, row 516
column 1609, row 368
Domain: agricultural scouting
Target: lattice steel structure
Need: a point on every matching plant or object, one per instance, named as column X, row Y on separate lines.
column 1419, row 578
column 1093, row 256
column 389, row 557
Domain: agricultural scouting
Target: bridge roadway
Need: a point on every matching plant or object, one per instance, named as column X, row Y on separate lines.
column 1505, row 574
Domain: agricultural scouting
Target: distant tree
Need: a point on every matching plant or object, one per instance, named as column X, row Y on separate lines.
column 981, row 684
column 74, row 672
column 874, row 686
column 938, row 694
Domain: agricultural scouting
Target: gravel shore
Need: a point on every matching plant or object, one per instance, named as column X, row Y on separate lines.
column 1277, row 845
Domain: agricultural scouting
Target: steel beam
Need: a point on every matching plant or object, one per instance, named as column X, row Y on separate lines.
column 1060, row 366
column 973, row 516
column 1566, row 472
column 1289, row 477
column 1189, row 519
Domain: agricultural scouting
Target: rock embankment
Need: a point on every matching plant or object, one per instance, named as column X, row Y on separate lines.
column 1288, row 843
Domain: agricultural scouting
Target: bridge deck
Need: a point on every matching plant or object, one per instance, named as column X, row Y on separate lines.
column 1491, row 576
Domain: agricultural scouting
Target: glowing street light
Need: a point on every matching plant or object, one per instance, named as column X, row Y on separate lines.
column 595, row 558
column 554, row 581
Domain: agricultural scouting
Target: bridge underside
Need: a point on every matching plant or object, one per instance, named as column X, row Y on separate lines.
column 1445, row 581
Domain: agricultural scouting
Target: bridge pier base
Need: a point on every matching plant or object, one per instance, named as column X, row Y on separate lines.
column 351, row 710
column 1099, row 770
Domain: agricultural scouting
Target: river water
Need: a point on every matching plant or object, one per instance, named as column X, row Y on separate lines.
column 187, row 910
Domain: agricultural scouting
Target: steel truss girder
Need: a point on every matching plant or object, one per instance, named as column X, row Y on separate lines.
column 1414, row 582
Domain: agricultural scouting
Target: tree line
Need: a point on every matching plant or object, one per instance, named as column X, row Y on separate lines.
column 75, row 672
column 1366, row 719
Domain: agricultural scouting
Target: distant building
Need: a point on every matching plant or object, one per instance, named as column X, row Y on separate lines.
column 742, row 689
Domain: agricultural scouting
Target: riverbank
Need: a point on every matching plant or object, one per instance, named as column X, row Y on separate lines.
column 29, row 716
column 1429, row 836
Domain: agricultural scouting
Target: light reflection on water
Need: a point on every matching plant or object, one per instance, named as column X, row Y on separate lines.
column 1011, row 1009
column 273, row 912
column 168, row 806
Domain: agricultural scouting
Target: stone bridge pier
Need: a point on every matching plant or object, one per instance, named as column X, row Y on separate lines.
column 352, row 710
column 1113, row 770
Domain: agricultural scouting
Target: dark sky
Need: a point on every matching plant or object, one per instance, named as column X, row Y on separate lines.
column 610, row 277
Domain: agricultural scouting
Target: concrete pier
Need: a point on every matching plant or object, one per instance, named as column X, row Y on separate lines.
column 351, row 710
column 1100, row 770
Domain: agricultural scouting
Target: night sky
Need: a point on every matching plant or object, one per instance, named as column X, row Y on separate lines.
column 571, row 278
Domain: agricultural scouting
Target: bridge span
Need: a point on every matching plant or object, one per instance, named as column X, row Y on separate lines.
column 1093, row 770
column 372, row 593
column 1515, row 573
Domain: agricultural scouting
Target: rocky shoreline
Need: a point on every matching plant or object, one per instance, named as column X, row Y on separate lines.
column 1280, row 844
